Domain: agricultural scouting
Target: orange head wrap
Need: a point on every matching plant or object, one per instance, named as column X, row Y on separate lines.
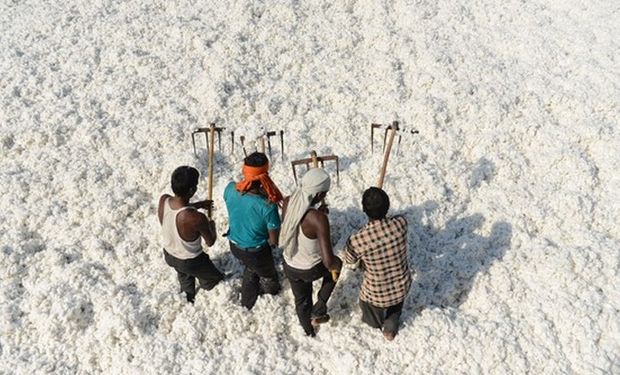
column 261, row 174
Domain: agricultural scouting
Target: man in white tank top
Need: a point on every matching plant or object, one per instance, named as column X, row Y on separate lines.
column 308, row 255
column 182, row 229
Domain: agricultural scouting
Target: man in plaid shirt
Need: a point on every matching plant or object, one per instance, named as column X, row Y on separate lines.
column 381, row 248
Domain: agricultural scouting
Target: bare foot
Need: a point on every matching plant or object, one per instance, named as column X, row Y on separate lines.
column 389, row 335
column 319, row 320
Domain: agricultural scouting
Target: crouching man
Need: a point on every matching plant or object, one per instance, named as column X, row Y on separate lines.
column 182, row 227
column 306, row 243
column 381, row 248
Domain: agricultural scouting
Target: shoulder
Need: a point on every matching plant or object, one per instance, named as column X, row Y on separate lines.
column 192, row 216
column 400, row 221
column 230, row 190
column 268, row 207
column 356, row 239
column 312, row 219
column 360, row 237
column 314, row 215
column 229, row 187
column 163, row 198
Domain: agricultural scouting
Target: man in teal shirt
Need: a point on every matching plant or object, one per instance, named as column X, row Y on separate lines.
column 254, row 225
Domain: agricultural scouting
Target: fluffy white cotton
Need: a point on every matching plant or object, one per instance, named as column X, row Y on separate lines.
column 511, row 189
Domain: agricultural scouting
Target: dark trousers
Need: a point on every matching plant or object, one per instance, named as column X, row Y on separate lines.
column 377, row 317
column 301, row 284
column 259, row 275
column 188, row 270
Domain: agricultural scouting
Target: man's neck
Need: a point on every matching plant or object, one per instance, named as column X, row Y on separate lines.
column 182, row 200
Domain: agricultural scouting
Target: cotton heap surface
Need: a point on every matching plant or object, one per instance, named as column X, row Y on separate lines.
column 511, row 189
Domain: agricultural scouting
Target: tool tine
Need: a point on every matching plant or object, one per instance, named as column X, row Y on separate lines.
column 372, row 137
column 398, row 146
column 232, row 142
column 337, row 170
column 282, row 143
column 242, row 139
column 385, row 138
column 207, row 140
column 194, row 144
column 269, row 146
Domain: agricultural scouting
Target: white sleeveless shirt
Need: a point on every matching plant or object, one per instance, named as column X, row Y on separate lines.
column 308, row 252
column 172, row 241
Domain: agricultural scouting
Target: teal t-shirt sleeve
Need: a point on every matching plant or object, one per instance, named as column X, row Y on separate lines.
column 272, row 217
column 228, row 190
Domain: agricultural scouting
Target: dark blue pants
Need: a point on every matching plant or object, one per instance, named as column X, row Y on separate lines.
column 259, row 275
column 188, row 270
column 301, row 285
column 377, row 317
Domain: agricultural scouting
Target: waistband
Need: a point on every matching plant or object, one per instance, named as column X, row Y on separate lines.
column 251, row 249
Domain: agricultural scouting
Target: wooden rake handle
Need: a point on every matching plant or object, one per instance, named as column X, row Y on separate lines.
column 211, row 162
column 314, row 158
column 386, row 154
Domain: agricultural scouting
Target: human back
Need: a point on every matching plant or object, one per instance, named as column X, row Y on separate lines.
column 308, row 252
column 381, row 245
column 250, row 217
column 180, row 236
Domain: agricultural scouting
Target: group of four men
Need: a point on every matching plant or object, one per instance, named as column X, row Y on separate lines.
column 303, row 233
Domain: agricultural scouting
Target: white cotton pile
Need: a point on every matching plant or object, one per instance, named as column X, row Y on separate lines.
column 511, row 189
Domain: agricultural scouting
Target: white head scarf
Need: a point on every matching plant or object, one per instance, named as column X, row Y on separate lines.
column 314, row 181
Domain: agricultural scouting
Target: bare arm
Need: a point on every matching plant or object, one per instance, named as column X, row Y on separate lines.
column 274, row 236
column 206, row 204
column 160, row 209
column 206, row 227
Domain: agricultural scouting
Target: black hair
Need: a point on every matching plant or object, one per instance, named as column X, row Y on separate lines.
column 375, row 203
column 256, row 159
column 183, row 179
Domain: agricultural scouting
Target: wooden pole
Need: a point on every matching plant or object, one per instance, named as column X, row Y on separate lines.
column 211, row 162
column 386, row 154
column 315, row 159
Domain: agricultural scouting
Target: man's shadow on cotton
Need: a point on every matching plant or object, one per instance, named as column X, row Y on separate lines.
column 444, row 259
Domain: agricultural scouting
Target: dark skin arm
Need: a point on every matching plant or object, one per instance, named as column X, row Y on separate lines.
column 205, row 205
column 274, row 237
column 192, row 224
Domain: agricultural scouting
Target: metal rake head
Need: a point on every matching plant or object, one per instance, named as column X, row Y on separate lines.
column 218, row 130
column 313, row 162
column 394, row 126
column 267, row 136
